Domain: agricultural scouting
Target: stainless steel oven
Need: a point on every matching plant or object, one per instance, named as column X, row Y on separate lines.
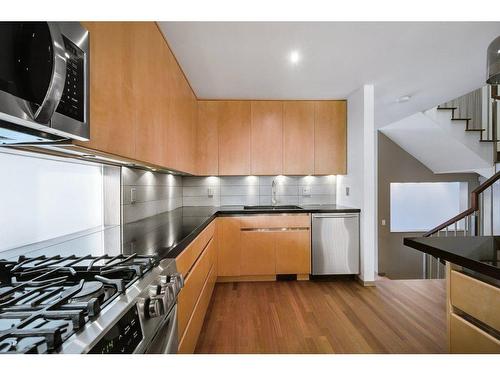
column 44, row 82
column 166, row 339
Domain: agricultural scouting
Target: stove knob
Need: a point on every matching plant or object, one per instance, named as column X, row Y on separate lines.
column 150, row 307
column 154, row 290
column 169, row 296
column 156, row 307
column 169, row 291
column 178, row 279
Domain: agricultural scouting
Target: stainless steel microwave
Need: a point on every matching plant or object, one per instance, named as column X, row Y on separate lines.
column 44, row 82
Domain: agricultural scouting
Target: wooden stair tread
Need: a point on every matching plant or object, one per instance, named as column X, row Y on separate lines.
column 475, row 130
column 460, row 119
column 447, row 108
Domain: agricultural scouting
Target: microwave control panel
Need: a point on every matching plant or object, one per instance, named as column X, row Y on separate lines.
column 72, row 100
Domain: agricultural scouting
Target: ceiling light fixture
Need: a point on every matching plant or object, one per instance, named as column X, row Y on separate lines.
column 294, row 57
column 403, row 99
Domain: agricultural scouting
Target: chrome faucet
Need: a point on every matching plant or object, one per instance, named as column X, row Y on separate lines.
column 273, row 192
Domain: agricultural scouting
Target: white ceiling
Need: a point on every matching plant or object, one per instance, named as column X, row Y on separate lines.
column 432, row 62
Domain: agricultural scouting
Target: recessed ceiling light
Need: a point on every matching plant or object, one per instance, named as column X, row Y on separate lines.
column 294, row 57
column 403, row 99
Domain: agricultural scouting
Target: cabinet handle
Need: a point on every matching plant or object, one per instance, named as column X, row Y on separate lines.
column 273, row 229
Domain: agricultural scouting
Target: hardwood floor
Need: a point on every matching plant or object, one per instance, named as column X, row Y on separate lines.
column 396, row 316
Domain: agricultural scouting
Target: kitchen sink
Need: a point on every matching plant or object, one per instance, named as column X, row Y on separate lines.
column 282, row 207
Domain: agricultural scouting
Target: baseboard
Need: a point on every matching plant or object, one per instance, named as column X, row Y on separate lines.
column 365, row 283
column 234, row 279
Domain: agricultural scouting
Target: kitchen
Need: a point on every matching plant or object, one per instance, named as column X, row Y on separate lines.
column 147, row 216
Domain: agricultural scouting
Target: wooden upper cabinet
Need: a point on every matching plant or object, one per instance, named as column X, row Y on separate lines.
column 111, row 91
column 266, row 137
column 234, row 137
column 150, row 88
column 181, row 122
column 298, row 138
column 207, row 139
column 142, row 106
column 330, row 137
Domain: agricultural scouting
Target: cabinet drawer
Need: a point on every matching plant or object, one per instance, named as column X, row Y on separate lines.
column 188, row 257
column 467, row 338
column 275, row 221
column 476, row 298
column 193, row 285
column 188, row 342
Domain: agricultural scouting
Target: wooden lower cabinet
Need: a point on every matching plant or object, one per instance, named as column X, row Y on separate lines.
column 198, row 264
column 249, row 248
column 264, row 245
column 293, row 252
column 188, row 257
column 476, row 298
column 193, row 285
column 473, row 315
column 467, row 338
column 187, row 343
column 257, row 253
column 229, row 254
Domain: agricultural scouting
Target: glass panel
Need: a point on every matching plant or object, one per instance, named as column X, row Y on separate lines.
column 27, row 60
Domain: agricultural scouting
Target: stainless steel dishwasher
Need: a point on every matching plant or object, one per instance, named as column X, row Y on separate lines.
column 335, row 244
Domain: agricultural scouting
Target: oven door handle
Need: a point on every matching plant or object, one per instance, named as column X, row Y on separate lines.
column 165, row 340
column 58, row 78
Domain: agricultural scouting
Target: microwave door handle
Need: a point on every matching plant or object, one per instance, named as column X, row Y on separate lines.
column 57, row 80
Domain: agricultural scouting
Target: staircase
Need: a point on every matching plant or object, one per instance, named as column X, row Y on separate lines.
column 459, row 136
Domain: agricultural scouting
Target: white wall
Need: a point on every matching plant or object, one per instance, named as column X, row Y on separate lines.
column 361, row 178
column 43, row 198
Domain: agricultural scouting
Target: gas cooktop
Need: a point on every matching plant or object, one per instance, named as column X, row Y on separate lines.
column 44, row 300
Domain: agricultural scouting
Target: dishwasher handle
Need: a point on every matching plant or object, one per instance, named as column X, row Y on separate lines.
column 335, row 216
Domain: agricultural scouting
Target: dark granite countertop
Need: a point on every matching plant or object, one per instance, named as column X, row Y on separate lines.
column 169, row 233
column 164, row 235
column 478, row 254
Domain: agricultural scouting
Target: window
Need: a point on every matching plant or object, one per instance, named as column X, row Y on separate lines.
column 419, row 207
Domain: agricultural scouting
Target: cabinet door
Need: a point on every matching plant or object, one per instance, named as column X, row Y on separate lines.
column 207, row 139
column 234, row 137
column 293, row 252
column 150, row 88
column 111, row 93
column 267, row 138
column 257, row 253
column 180, row 132
column 298, row 138
column 229, row 255
column 330, row 137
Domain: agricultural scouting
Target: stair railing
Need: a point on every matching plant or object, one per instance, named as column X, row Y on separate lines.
column 467, row 223
column 470, row 217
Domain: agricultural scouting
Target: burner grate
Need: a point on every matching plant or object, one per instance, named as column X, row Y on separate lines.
column 43, row 300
